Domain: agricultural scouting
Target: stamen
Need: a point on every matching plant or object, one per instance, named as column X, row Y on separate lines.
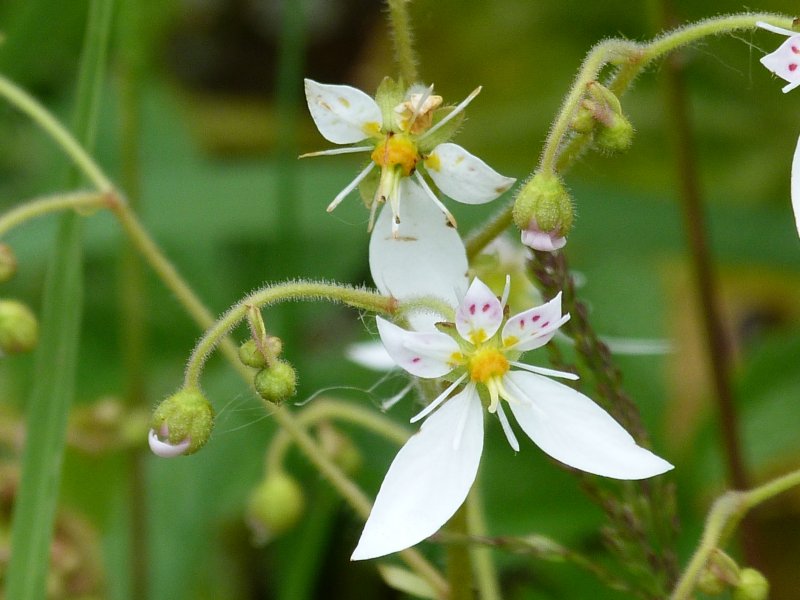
column 423, row 97
column 434, row 199
column 454, row 112
column 776, row 29
column 544, row 371
column 390, row 402
column 512, row 439
column 350, row 187
column 494, row 394
column 506, row 292
column 333, row 151
column 439, row 399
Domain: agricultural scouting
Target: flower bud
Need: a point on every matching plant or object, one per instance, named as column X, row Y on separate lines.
column 274, row 506
column 250, row 355
column 8, row 263
column 752, row 586
column 719, row 574
column 543, row 211
column 181, row 424
column 584, row 121
column 19, row 330
column 615, row 136
column 276, row 382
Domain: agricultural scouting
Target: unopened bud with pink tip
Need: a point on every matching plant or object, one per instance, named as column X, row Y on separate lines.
column 543, row 211
column 181, row 424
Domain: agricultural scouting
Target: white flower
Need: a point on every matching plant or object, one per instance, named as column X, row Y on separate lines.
column 785, row 63
column 402, row 140
column 432, row 474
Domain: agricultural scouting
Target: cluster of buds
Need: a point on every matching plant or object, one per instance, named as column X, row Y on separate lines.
column 276, row 379
column 600, row 115
column 722, row 574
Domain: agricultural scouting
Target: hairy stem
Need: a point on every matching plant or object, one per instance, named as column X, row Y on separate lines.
column 403, row 37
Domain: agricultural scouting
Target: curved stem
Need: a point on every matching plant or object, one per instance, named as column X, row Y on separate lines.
column 329, row 408
column 40, row 115
column 40, row 207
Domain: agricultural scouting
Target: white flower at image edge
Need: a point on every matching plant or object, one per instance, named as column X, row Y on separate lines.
column 432, row 474
column 785, row 63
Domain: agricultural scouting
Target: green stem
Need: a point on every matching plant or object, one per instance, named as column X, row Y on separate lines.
column 400, row 26
column 328, row 408
column 459, row 569
column 52, row 394
column 272, row 294
column 632, row 58
column 482, row 563
column 40, row 207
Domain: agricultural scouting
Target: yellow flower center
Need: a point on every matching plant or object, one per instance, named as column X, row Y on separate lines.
column 396, row 150
column 487, row 364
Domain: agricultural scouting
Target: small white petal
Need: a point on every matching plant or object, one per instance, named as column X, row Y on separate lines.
column 534, row 327
column 574, row 430
column 343, row 114
column 463, row 176
column 426, row 354
column 165, row 449
column 371, row 355
column 795, row 191
column 785, row 61
column 480, row 313
column 427, row 258
column 544, row 371
column 546, row 241
column 428, row 480
column 439, row 399
column 512, row 439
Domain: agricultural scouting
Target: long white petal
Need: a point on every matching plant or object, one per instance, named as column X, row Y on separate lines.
column 463, row 176
column 775, row 29
column 479, row 314
column 535, row 327
column 574, row 430
column 796, row 186
column 428, row 480
column 427, row 354
column 427, row 259
column 343, row 114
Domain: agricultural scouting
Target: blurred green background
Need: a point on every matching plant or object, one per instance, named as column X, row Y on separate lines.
column 222, row 193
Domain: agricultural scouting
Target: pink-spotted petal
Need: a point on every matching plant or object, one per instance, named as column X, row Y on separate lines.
column 427, row 354
column 343, row 114
column 480, row 313
column 428, row 480
column 785, row 62
column 535, row 327
column 575, row 431
column 463, row 176
column 795, row 187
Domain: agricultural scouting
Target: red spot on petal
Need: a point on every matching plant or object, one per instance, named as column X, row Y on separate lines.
column 545, row 324
column 535, row 318
column 415, row 360
column 472, row 309
column 521, row 323
column 485, row 307
column 792, row 67
column 795, row 49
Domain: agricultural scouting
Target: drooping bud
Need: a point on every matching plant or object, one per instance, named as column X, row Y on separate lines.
column 274, row 506
column 250, row 355
column 277, row 382
column 543, row 211
column 616, row 136
column 752, row 586
column 19, row 330
column 719, row 574
column 584, row 121
column 181, row 424
column 8, row 263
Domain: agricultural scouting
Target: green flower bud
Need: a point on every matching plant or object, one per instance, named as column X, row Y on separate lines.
column 584, row 121
column 8, row 263
column 543, row 211
column 614, row 136
column 752, row 586
column 181, row 424
column 250, row 355
column 19, row 330
column 274, row 506
column 276, row 382
column 719, row 574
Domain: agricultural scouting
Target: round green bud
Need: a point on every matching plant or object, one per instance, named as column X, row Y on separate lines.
column 614, row 136
column 276, row 382
column 181, row 424
column 8, row 263
column 19, row 330
column 584, row 121
column 274, row 506
column 250, row 355
column 752, row 586
column 543, row 211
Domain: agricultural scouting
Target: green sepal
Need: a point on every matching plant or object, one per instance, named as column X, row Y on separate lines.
column 369, row 187
column 390, row 93
column 426, row 143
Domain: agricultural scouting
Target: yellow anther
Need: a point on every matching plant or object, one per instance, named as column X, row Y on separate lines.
column 396, row 150
column 487, row 364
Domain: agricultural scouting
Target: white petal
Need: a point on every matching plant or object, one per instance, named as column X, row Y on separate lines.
column 165, row 449
column 796, row 186
column 480, row 313
column 775, row 29
column 535, row 327
column 464, row 177
column 343, row 114
column 371, row 355
column 427, row 259
column 427, row 354
column 785, row 61
column 428, row 480
column 574, row 430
